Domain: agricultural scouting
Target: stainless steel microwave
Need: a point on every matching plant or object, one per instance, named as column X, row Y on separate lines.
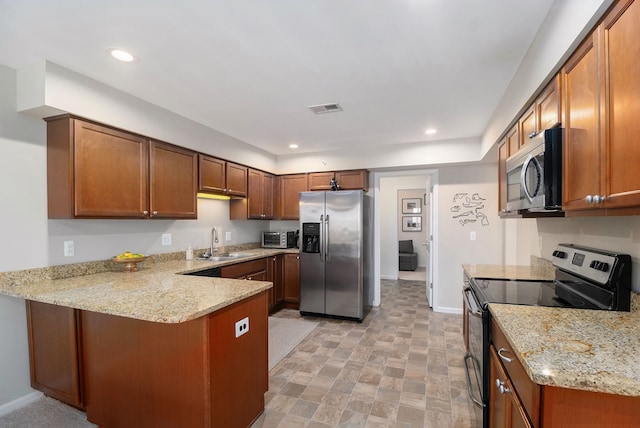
column 534, row 174
column 279, row 239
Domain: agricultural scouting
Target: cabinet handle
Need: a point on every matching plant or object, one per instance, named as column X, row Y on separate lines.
column 507, row 359
column 226, row 190
column 155, row 213
column 599, row 199
column 145, row 212
column 500, row 385
column 588, row 199
column 533, row 134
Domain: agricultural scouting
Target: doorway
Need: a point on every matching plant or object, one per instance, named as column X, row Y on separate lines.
column 386, row 185
column 413, row 231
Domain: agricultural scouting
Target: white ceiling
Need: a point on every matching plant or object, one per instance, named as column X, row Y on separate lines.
column 250, row 68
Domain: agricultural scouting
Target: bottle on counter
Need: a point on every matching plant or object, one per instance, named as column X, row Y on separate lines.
column 189, row 253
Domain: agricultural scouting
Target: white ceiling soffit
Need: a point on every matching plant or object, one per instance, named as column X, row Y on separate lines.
column 251, row 68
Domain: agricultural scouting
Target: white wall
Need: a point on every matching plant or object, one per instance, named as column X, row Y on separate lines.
column 23, row 229
column 454, row 245
column 621, row 234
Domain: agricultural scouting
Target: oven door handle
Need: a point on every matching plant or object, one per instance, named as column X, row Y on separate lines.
column 472, row 309
column 476, row 368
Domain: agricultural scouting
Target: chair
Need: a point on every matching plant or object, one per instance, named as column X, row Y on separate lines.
column 408, row 259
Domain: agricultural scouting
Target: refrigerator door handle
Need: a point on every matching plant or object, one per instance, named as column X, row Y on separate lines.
column 321, row 238
column 326, row 238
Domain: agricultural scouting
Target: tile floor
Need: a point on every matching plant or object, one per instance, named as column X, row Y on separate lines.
column 401, row 367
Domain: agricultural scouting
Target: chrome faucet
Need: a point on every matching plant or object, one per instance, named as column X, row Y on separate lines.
column 214, row 239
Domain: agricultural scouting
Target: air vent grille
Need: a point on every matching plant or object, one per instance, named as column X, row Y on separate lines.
column 326, row 108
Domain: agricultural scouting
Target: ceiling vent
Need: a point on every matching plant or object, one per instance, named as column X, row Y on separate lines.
column 326, row 108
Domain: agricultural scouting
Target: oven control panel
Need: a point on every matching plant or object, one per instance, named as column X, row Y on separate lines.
column 589, row 263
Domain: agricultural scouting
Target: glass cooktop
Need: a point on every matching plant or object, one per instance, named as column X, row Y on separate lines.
column 530, row 293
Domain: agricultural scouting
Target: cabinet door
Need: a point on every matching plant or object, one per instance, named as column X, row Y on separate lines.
column 548, row 105
column 292, row 280
column 353, row 180
column 110, row 172
column 513, row 140
column 621, row 39
column 254, row 194
column 528, row 125
column 320, row 180
column 275, row 274
column 54, row 351
column 236, row 180
column 582, row 172
column 173, row 173
column 290, row 188
column 505, row 409
column 212, row 176
column 503, row 151
column 268, row 200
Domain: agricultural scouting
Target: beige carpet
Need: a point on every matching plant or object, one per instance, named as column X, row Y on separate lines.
column 284, row 335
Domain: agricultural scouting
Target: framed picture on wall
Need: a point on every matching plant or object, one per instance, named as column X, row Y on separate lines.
column 411, row 206
column 411, row 224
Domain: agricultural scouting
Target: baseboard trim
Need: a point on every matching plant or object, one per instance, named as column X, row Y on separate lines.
column 18, row 403
column 446, row 310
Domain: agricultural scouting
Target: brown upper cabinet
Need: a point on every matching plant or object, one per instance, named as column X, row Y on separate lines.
column 347, row 180
column 221, row 177
column 289, row 195
column 513, row 140
column 602, row 93
column 259, row 203
column 95, row 171
column 544, row 113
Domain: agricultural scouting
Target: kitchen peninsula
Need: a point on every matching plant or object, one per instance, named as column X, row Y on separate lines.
column 153, row 347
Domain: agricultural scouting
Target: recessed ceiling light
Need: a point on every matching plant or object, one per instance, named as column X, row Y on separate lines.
column 430, row 131
column 293, row 146
column 122, row 55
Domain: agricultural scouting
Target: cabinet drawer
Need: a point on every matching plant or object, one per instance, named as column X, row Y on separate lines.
column 526, row 390
column 245, row 269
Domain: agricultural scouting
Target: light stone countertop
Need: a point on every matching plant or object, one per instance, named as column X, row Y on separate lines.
column 156, row 292
column 542, row 271
column 569, row 348
column 576, row 348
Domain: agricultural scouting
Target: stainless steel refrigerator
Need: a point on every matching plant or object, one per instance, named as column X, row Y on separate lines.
column 336, row 277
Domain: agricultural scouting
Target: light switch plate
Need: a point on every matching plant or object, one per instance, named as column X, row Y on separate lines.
column 227, row 236
column 69, row 249
column 472, row 235
column 166, row 239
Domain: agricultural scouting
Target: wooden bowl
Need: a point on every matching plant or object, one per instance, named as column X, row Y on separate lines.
column 130, row 264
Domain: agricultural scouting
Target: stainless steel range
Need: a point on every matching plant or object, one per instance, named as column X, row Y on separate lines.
column 585, row 278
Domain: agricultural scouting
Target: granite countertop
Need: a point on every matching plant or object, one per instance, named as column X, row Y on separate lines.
column 540, row 271
column 576, row 348
column 156, row 292
column 568, row 348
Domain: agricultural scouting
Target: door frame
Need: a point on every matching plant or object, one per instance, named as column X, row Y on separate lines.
column 432, row 176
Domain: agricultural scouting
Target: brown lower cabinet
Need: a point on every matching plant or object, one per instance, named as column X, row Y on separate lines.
column 292, row 281
column 146, row 374
column 54, row 362
column 516, row 401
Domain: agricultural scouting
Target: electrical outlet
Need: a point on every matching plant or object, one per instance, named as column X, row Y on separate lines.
column 227, row 236
column 166, row 239
column 242, row 326
column 472, row 235
column 68, row 248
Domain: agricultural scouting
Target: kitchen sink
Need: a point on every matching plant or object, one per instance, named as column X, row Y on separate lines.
column 227, row 256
